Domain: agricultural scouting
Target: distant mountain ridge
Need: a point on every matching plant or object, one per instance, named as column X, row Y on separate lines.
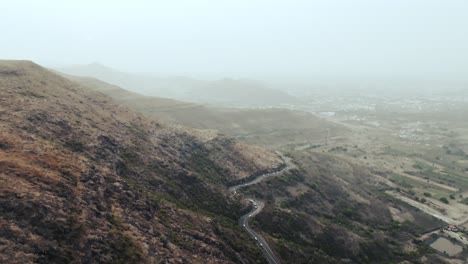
column 268, row 127
column 233, row 92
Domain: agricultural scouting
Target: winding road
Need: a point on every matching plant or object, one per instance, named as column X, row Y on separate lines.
column 258, row 207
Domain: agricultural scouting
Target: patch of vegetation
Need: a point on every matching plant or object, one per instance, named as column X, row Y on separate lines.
column 444, row 200
column 31, row 94
column 447, row 177
column 130, row 156
column 464, row 201
column 123, row 249
column 4, row 145
column 189, row 193
column 394, row 152
column 74, row 145
column 67, row 173
column 338, row 149
column 454, row 149
column 403, row 181
column 200, row 198
column 207, row 169
column 115, row 221
column 422, row 166
column 138, row 132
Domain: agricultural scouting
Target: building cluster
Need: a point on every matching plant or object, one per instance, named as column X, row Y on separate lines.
column 453, row 228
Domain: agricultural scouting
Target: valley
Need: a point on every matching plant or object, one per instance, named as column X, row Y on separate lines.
column 418, row 156
column 410, row 182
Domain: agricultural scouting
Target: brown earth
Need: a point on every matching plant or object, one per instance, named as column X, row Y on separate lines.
column 84, row 180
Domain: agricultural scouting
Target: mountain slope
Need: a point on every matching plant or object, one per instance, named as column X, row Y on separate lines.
column 331, row 210
column 221, row 92
column 239, row 93
column 269, row 127
column 84, row 180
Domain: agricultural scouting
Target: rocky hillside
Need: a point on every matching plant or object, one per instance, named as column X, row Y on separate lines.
column 83, row 180
column 331, row 210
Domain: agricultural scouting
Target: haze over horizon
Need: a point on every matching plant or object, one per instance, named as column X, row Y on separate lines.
column 270, row 40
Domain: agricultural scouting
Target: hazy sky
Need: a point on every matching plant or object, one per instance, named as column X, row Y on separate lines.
column 244, row 38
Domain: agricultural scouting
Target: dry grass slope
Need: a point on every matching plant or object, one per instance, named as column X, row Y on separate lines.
column 84, row 180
